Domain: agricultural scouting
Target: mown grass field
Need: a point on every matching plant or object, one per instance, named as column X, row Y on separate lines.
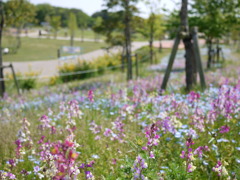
column 34, row 49
column 89, row 34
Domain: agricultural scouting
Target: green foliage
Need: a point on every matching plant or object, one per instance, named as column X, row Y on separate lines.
column 74, row 68
column 26, row 81
column 172, row 24
column 55, row 23
column 19, row 12
column 96, row 67
column 214, row 18
column 43, row 10
column 143, row 53
column 72, row 25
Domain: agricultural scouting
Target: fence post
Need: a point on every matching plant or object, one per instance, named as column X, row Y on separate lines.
column 15, row 79
column 136, row 56
column 58, row 53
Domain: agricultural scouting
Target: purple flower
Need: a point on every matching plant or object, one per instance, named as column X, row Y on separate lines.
column 36, row 169
column 107, row 132
column 138, row 166
column 152, row 156
column 91, row 95
column 224, row 129
column 189, row 142
column 11, row 176
column 89, row 175
column 200, row 149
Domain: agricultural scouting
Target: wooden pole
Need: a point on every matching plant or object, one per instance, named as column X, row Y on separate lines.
column 136, row 56
column 198, row 58
column 58, row 53
column 2, row 85
column 15, row 79
column 123, row 62
column 171, row 60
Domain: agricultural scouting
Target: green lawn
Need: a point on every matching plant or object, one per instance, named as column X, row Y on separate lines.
column 89, row 34
column 43, row 49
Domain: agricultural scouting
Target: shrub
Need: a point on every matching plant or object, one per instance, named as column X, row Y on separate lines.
column 26, row 81
column 98, row 66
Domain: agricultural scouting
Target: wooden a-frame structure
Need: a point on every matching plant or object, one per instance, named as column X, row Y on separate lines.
column 196, row 55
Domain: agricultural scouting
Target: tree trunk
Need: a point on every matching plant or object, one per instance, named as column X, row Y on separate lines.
column 190, row 65
column 160, row 45
column 128, row 40
column 123, row 58
column 209, row 44
column 19, row 43
column 72, row 40
column 2, row 85
column 151, row 51
column 190, row 68
column 238, row 48
column 218, row 52
column 55, row 35
column 151, row 39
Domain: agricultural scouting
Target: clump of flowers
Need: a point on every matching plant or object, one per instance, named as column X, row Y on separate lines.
column 151, row 133
column 220, row 169
column 45, row 122
column 138, row 168
column 24, row 133
column 117, row 131
column 7, row 175
column 85, row 167
column 91, row 95
column 61, row 159
column 96, row 129
column 193, row 97
column 224, row 129
column 188, row 155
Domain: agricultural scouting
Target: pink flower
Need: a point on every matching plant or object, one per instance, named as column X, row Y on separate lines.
column 224, row 129
column 73, row 155
column 91, row 95
column 68, row 143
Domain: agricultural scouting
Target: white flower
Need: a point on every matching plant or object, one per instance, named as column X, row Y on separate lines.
column 40, row 175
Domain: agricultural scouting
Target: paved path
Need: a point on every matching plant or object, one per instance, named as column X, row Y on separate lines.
column 49, row 68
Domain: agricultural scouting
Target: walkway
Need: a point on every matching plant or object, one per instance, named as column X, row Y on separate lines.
column 50, row 67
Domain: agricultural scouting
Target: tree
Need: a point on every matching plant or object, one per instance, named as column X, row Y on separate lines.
column 160, row 29
column 214, row 18
column 151, row 28
column 18, row 13
column 97, row 22
column 42, row 11
column 2, row 86
column 82, row 23
column 55, row 23
column 72, row 25
column 128, row 8
column 113, row 28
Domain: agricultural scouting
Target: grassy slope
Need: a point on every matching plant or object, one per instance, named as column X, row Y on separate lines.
column 44, row 49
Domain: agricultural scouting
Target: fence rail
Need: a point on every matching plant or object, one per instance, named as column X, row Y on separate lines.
column 68, row 74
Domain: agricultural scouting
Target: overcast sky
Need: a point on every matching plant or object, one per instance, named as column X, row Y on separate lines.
column 91, row 6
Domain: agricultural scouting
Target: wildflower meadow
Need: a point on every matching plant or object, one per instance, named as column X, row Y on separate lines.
column 116, row 131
